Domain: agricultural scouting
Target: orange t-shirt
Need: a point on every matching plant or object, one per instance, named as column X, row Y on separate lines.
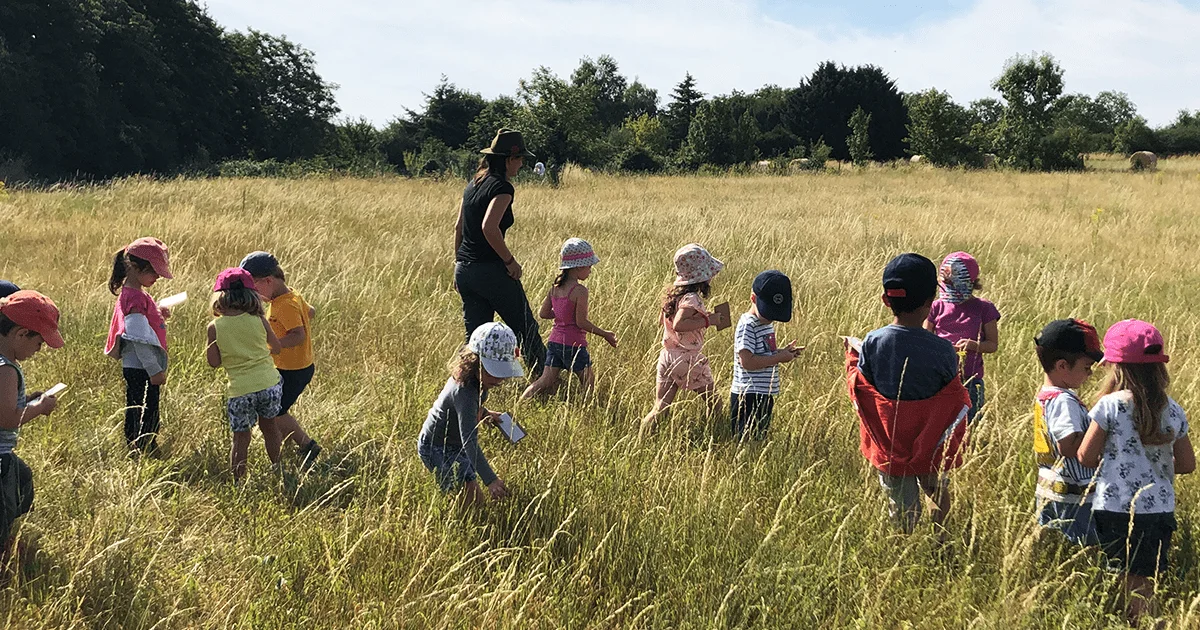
column 289, row 312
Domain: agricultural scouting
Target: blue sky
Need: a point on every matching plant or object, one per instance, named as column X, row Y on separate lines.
column 385, row 54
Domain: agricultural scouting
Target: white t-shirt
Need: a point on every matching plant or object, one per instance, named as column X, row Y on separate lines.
column 1128, row 467
column 759, row 338
column 1058, row 414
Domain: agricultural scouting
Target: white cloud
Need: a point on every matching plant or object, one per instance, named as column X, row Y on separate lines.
column 385, row 54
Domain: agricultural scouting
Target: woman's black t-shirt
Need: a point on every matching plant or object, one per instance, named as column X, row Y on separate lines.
column 476, row 199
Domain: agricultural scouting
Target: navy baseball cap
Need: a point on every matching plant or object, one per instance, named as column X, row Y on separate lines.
column 7, row 288
column 1071, row 335
column 773, row 291
column 259, row 264
column 910, row 276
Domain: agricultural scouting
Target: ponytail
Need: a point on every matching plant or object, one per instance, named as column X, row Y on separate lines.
column 562, row 277
column 118, row 273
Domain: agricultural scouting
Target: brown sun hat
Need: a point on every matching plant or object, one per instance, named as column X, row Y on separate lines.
column 508, row 143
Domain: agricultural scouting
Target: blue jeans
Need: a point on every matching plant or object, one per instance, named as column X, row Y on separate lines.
column 1073, row 520
column 450, row 467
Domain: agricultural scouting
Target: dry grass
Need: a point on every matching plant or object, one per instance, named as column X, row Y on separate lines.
column 687, row 530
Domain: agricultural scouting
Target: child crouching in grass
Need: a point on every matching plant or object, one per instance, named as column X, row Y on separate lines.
column 241, row 341
column 449, row 441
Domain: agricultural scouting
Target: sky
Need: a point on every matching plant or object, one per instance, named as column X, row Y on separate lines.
column 385, row 55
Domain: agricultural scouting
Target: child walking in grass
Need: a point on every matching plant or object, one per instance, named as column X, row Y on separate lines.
column 1139, row 441
column 757, row 357
column 970, row 323
column 567, row 305
column 449, row 441
column 290, row 318
column 137, row 336
column 1066, row 350
column 27, row 320
column 241, row 341
column 681, row 362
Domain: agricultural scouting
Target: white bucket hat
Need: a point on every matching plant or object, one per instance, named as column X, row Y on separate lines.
column 496, row 346
column 577, row 252
column 693, row 265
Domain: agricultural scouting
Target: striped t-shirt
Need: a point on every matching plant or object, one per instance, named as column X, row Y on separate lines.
column 758, row 337
column 1057, row 414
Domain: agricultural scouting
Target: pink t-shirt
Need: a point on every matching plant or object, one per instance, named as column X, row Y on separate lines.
column 692, row 340
column 955, row 322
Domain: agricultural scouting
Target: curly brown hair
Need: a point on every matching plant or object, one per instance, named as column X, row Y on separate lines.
column 672, row 294
column 464, row 367
column 1148, row 383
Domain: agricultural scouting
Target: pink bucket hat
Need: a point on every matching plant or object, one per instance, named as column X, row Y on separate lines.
column 1134, row 341
column 693, row 265
column 234, row 278
column 154, row 251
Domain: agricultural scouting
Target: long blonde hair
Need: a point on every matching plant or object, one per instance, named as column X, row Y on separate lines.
column 1148, row 383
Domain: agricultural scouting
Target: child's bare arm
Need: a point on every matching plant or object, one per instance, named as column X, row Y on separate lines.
column 1092, row 446
column 10, row 416
column 547, row 311
column 293, row 337
column 585, row 324
column 312, row 312
column 272, row 340
column 930, row 327
column 688, row 319
column 751, row 361
column 1069, row 446
column 212, row 352
column 1185, row 456
column 991, row 338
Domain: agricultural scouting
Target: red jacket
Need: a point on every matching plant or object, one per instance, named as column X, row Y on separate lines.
column 909, row 437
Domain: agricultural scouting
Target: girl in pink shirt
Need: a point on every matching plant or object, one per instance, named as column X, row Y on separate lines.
column 567, row 305
column 970, row 323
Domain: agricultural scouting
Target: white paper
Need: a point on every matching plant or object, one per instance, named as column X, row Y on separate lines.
column 54, row 391
column 511, row 429
column 174, row 300
column 855, row 343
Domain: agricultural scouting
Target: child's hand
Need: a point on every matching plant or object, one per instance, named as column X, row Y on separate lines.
column 967, row 345
column 498, row 490
column 159, row 379
column 610, row 337
column 43, row 406
column 492, row 418
column 165, row 312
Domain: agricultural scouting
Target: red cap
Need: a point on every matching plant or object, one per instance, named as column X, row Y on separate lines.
column 153, row 250
column 33, row 311
column 1134, row 341
column 234, row 278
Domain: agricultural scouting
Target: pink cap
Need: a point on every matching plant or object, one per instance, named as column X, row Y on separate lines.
column 1134, row 341
column 234, row 278
column 966, row 259
column 153, row 250
column 33, row 311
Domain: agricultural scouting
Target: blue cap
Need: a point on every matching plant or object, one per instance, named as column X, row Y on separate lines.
column 259, row 264
column 773, row 291
column 910, row 276
column 7, row 288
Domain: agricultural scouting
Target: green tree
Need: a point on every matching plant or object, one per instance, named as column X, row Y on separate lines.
column 821, row 107
column 448, row 115
column 558, row 120
column 602, row 81
column 639, row 100
column 939, row 129
column 1031, row 87
column 497, row 114
column 685, row 102
column 860, row 137
column 717, row 137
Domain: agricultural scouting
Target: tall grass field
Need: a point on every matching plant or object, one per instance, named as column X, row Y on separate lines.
column 684, row 529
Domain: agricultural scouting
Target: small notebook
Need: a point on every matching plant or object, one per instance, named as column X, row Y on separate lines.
column 723, row 310
column 511, row 428
column 854, row 343
column 54, row 391
column 173, row 300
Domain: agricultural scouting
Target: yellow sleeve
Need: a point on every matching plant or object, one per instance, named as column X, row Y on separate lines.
column 285, row 316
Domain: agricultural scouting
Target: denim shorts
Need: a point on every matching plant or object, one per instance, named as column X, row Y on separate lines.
column 1072, row 519
column 244, row 411
column 570, row 358
column 450, row 467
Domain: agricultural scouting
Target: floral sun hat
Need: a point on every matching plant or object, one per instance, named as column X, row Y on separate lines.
column 693, row 265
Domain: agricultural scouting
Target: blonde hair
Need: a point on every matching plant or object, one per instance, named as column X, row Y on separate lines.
column 232, row 301
column 464, row 366
column 1148, row 383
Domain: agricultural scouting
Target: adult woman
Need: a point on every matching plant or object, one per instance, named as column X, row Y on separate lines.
column 486, row 273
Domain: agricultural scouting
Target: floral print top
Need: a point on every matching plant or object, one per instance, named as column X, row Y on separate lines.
column 1130, row 469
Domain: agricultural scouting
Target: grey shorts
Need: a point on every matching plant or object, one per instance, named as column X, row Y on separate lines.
column 244, row 411
column 904, row 495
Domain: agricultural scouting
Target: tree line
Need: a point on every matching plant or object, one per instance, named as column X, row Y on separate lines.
column 103, row 88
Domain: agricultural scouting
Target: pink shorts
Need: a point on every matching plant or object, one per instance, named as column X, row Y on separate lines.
column 686, row 369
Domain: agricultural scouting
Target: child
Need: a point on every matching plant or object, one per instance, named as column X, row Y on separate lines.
column 449, row 441
column 7, row 288
column 290, row 317
column 241, row 341
column 27, row 319
column 681, row 364
column 913, row 445
column 1066, row 349
column 567, row 305
column 1139, row 441
column 756, row 357
column 138, row 336
column 968, row 322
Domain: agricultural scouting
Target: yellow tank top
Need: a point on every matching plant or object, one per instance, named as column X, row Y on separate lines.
column 245, row 354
